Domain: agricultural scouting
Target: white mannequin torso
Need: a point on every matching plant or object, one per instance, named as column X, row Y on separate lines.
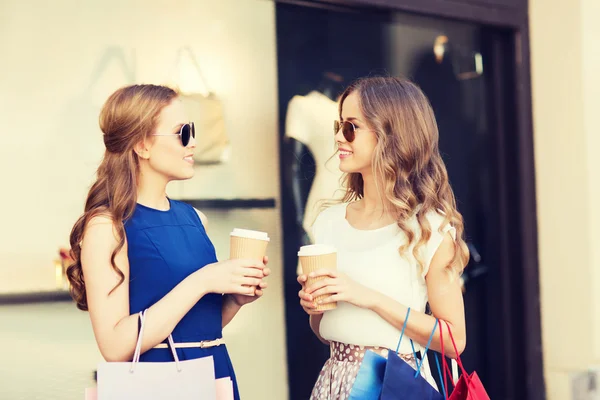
column 309, row 120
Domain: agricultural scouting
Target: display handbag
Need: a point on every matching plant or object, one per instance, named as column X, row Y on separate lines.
column 468, row 387
column 183, row 380
column 379, row 378
column 205, row 109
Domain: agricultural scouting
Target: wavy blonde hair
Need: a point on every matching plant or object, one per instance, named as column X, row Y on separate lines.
column 408, row 169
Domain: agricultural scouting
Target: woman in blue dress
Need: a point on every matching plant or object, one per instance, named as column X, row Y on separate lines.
column 135, row 249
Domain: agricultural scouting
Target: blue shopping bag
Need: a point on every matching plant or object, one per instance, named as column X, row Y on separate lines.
column 379, row 378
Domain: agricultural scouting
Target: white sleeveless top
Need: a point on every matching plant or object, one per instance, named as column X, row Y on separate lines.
column 371, row 257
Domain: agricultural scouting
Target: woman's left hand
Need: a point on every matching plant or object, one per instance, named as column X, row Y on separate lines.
column 341, row 288
column 242, row 299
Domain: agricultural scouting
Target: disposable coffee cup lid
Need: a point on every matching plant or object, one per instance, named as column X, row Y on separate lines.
column 316, row 250
column 246, row 233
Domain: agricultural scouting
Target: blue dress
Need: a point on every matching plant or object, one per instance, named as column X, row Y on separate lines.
column 164, row 247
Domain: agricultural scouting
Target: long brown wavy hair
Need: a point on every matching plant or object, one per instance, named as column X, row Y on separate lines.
column 407, row 166
column 129, row 116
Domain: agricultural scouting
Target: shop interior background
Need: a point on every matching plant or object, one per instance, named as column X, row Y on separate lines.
column 61, row 60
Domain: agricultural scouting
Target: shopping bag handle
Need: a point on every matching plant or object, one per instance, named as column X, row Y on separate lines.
column 138, row 345
column 458, row 360
column 424, row 355
column 437, row 363
column 445, row 368
column 402, row 335
column 444, row 364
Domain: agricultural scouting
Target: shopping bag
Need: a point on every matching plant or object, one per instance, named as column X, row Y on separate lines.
column 224, row 389
column 183, row 380
column 401, row 381
column 469, row 386
column 369, row 379
column 392, row 378
column 91, row 393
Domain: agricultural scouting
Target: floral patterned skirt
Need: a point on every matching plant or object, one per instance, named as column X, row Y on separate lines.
column 339, row 372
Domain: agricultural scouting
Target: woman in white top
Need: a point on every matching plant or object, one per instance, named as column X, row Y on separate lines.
column 397, row 232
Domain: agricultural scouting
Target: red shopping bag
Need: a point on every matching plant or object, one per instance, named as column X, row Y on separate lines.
column 468, row 387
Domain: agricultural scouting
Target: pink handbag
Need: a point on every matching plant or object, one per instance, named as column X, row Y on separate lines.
column 189, row 379
column 224, row 389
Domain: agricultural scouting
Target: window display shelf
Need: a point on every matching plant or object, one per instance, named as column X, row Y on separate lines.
column 230, row 204
column 48, row 296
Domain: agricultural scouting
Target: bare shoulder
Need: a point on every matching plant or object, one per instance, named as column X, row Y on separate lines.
column 100, row 232
column 100, row 240
column 443, row 255
column 203, row 218
column 100, row 219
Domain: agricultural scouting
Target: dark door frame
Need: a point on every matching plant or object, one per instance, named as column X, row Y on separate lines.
column 512, row 17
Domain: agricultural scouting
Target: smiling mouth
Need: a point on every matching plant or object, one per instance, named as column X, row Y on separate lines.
column 189, row 159
column 345, row 153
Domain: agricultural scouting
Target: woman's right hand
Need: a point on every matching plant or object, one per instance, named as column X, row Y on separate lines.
column 306, row 300
column 233, row 276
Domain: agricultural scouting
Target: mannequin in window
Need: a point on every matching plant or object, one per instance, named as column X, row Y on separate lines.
column 309, row 125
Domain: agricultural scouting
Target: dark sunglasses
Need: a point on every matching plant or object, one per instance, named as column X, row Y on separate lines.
column 348, row 130
column 186, row 133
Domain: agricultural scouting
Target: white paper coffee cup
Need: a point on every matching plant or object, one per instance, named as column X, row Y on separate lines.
column 248, row 244
column 315, row 257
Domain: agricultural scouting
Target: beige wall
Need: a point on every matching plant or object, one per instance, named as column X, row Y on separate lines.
column 565, row 40
column 590, row 12
column 51, row 91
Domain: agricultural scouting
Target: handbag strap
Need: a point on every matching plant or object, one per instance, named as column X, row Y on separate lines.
column 187, row 50
column 113, row 53
column 138, row 345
